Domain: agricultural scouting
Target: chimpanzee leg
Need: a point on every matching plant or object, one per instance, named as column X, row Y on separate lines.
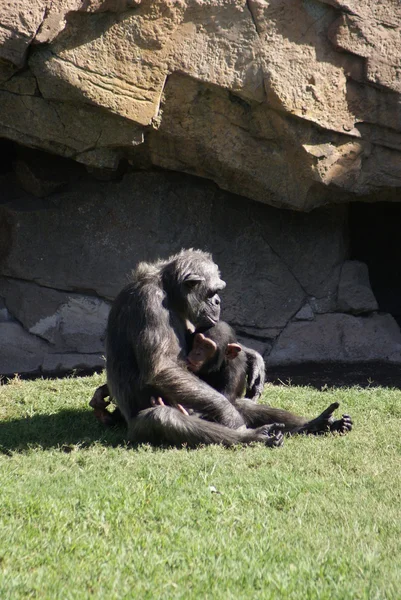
column 99, row 405
column 325, row 422
column 164, row 425
column 258, row 414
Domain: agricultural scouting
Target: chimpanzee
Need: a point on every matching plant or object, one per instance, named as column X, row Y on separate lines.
column 146, row 352
column 217, row 359
column 247, row 372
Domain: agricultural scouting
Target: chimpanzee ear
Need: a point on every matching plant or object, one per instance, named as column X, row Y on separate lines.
column 205, row 344
column 198, row 340
column 232, row 351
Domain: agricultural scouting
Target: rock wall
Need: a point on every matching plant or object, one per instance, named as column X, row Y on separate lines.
column 294, row 104
column 132, row 128
column 291, row 291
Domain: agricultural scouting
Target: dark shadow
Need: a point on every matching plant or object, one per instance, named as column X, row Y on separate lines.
column 375, row 232
column 62, row 430
column 337, row 375
column 6, row 378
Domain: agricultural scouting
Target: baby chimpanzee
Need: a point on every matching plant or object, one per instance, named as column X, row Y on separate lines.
column 216, row 358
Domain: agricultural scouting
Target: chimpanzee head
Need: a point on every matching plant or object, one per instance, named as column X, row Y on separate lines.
column 207, row 355
column 192, row 282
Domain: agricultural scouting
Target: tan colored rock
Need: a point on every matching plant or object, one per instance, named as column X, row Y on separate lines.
column 288, row 103
column 141, row 50
column 372, row 31
column 251, row 158
column 73, row 132
column 303, row 75
column 19, row 22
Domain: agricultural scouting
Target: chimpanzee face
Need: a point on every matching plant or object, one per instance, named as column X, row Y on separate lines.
column 201, row 288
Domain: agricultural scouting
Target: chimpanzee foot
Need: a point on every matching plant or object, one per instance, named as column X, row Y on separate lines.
column 325, row 423
column 107, row 418
column 99, row 405
column 342, row 426
column 271, row 435
column 98, row 401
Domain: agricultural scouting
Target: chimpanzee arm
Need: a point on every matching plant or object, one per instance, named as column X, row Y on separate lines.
column 158, row 346
column 176, row 385
column 255, row 373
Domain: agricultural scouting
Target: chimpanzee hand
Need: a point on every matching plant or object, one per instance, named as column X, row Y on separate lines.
column 160, row 402
column 255, row 373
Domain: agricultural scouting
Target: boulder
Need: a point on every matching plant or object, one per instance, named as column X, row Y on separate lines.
column 305, row 313
column 95, row 234
column 291, row 104
column 69, row 322
column 294, row 105
column 59, row 285
column 355, row 295
column 338, row 338
column 20, row 352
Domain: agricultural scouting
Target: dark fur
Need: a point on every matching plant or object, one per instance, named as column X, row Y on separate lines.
column 146, row 350
column 229, row 378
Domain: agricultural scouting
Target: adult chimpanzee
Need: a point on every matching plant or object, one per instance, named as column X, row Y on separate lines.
column 217, row 359
column 210, row 350
column 146, row 351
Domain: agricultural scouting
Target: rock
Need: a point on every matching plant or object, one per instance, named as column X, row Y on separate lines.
column 166, row 38
column 57, row 12
column 20, row 352
column 355, row 295
column 19, row 22
column 305, row 314
column 253, row 135
column 59, row 363
column 69, row 322
column 4, row 314
column 375, row 337
column 258, row 345
column 60, row 129
column 267, row 275
column 42, row 174
column 292, row 104
column 338, row 338
column 373, row 35
column 6, row 228
column 323, row 305
column 220, row 90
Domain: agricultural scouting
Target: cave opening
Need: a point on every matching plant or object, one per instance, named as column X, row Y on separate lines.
column 7, row 155
column 375, row 239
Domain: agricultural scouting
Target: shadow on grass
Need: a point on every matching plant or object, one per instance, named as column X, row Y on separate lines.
column 63, row 430
column 337, row 375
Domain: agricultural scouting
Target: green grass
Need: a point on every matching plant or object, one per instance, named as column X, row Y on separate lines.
column 84, row 516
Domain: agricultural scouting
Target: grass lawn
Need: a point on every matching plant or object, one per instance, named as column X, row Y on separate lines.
column 84, row 516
